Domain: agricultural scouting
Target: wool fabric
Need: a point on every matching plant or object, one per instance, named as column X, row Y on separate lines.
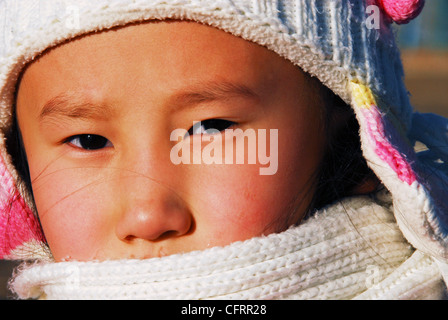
column 349, row 250
column 402, row 11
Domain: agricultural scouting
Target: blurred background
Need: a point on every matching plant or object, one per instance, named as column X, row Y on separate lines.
column 424, row 44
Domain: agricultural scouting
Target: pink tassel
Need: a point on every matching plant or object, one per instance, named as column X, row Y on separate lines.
column 402, row 11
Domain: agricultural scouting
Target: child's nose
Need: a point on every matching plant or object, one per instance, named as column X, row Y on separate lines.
column 156, row 213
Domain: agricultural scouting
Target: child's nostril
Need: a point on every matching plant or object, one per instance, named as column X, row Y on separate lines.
column 169, row 234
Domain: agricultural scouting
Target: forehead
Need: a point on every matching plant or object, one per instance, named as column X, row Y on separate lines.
column 152, row 60
column 176, row 48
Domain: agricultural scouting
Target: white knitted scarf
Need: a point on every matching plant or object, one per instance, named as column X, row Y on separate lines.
column 350, row 250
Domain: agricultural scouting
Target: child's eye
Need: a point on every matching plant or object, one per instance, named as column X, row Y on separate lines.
column 211, row 124
column 89, row 141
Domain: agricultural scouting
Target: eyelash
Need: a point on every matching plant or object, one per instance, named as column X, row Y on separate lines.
column 213, row 124
column 92, row 142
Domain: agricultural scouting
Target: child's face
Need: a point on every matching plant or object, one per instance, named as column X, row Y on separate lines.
column 96, row 116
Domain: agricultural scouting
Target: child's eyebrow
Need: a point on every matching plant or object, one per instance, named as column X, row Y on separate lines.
column 211, row 91
column 73, row 106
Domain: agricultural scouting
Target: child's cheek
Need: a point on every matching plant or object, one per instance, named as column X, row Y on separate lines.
column 73, row 217
column 237, row 203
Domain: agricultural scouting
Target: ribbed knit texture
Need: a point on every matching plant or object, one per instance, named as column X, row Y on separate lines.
column 341, row 252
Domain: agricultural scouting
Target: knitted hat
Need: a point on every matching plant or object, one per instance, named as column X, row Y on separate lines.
column 347, row 44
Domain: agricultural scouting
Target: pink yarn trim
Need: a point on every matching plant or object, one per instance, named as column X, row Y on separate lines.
column 402, row 11
column 383, row 148
column 18, row 225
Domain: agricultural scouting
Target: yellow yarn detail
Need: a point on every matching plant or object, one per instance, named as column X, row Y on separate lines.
column 362, row 95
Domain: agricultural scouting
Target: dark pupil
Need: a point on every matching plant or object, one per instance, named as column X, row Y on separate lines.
column 92, row 141
column 217, row 124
